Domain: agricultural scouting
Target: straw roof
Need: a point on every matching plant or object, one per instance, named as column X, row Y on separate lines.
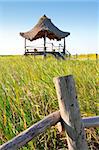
column 43, row 26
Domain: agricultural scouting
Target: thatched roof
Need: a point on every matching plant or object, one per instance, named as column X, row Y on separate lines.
column 44, row 25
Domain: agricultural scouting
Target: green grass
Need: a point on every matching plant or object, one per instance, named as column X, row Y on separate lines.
column 27, row 94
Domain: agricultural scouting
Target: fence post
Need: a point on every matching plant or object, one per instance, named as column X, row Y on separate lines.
column 96, row 57
column 76, row 56
column 70, row 113
column 88, row 56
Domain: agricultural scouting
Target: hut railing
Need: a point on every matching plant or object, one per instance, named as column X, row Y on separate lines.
column 49, row 47
column 68, row 116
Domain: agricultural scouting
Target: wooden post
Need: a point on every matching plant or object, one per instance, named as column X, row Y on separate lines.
column 45, row 44
column 25, row 45
column 96, row 57
column 64, row 47
column 52, row 47
column 70, row 113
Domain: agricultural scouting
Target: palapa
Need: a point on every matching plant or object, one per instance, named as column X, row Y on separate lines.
column 44, row 26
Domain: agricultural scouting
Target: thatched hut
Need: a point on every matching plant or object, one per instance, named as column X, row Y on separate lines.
column 45, row 28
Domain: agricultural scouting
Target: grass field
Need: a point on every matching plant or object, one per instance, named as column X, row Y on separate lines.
column 27, row 94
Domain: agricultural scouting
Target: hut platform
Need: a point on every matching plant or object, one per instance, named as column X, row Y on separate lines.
column 55, row 54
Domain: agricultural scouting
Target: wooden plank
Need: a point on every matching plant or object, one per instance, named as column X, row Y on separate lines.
column 88, row 122
column 45, row 44
column 91, row 121
column 31, row 132
column 47, row 52
column 64, row 52
column 70, row 113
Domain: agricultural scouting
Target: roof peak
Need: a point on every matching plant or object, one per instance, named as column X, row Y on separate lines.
column 44, row 24
column 44, row 15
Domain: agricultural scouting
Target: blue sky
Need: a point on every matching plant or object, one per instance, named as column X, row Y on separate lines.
column 80, row 18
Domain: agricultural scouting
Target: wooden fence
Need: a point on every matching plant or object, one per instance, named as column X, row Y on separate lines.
column 85, row 57
column 68, row 116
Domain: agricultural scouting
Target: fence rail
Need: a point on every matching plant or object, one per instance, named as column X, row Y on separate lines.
column 85, row 57
column 68, row 115
column 40, row 127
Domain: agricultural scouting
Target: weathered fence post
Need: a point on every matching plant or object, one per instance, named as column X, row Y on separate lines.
column 70, row 113
column 88, row 56
column 96, row 57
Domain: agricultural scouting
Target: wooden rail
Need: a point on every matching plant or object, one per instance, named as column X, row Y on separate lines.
column 55, row 54
column 91, row 122
column 31, row 132
column 68, row 115
column 40, row 127
column 87, row 57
